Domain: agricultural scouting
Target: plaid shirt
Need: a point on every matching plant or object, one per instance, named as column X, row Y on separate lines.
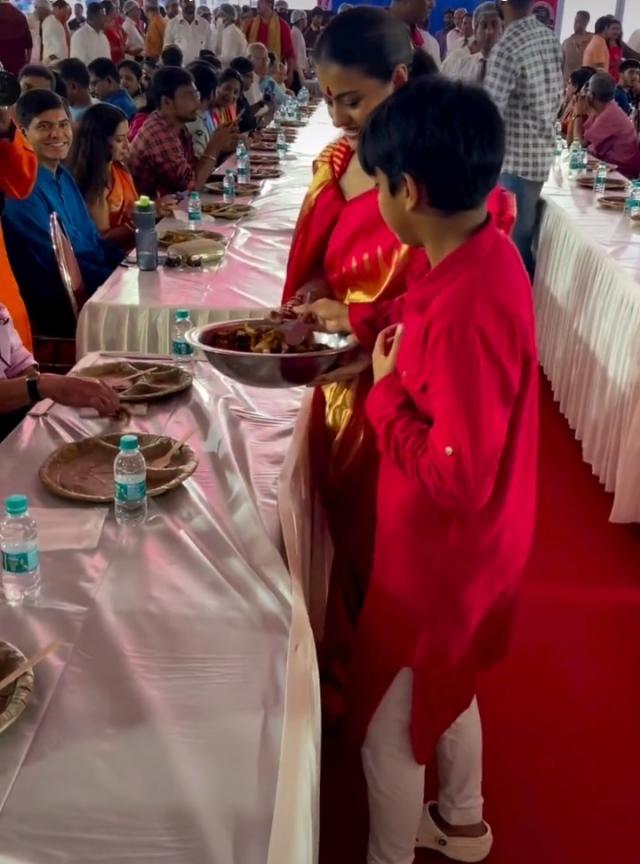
column 162, row 160
column 524, row 78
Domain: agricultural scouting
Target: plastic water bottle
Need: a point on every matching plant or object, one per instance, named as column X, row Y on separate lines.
column 20, row 557
column 243, row 164
column 181, row 350
column 633, row 200
column 194, row 209
column 144, row 218
column 281, row 145
column 575, row 159
column 130, row 483
column 600, row 180
column 303, row 96
column 559, row 146
column 229, row 187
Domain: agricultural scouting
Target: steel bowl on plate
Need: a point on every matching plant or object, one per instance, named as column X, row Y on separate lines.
column 272, row 370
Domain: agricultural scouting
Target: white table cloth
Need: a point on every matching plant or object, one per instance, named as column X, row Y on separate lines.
column 587, row 293
column 134, row 311
column 180, row 720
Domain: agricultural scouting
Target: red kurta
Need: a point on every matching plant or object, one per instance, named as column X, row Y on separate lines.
column 457, row 430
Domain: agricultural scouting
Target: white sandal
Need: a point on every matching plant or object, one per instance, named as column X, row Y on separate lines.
column 466, row 849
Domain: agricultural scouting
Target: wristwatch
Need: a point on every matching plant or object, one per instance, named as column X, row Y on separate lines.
column 33, row 389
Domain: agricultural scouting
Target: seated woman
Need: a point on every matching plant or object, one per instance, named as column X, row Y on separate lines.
column 603, row 127
column 202, row 128
column 577, row 82
column 342, row 250
column 44, row 121
column 97, row 160
column 225, row 104
column 131, row 81
column 21, row 386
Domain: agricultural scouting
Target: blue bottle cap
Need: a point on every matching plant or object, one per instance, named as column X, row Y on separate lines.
column 129, row 442
column 181, row 314
column 16, row 505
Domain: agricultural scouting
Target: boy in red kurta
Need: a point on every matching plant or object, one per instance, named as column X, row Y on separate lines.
column 454, row 410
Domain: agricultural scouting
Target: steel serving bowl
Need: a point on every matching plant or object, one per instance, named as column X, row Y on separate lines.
column 272, row 370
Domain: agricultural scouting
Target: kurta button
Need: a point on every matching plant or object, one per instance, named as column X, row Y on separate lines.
column 448, row 451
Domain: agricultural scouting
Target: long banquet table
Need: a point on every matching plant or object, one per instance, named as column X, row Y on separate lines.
column 587, row 291
column 179, row 722
column 133, row 311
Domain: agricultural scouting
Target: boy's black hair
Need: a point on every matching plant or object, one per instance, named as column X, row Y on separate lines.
column 33, row 103
column 171, row 56
column 35, row 70
column 104, row 68
column 167, row 80
column 629, row 64
column 74, row 71
column 448, row 136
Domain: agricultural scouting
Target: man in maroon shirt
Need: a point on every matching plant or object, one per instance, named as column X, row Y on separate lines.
column 274, row 33
column 15, row 38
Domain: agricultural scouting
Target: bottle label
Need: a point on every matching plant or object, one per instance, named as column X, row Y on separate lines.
column 181, row 347
column 131, row 490
column 20, row 562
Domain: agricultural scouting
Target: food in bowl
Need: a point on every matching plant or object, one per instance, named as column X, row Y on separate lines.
column 278, row 339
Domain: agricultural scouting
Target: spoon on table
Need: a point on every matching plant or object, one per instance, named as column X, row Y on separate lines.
column 165, row 460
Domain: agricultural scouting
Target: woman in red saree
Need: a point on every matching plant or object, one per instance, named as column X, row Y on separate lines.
column 343, row 250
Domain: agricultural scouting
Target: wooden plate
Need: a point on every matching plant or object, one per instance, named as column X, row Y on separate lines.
column 228, row 211
column 270, row 145
column 263, row 159
column 610, row 183
column 612, row 202
column 156, row 385
column 169, row 238
column 292, row 124
column 265, row 172
column 14, row 698
column 83, row 470
column 243, row 190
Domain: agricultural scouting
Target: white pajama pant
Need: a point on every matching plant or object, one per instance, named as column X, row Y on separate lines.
column 395, row 781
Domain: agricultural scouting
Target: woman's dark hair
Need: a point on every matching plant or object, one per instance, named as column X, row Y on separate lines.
column 210, row 58
column 372, row 41
column 458, row 132
column 33, row 103
column 242, row 65
column 602, row 23
column 230, row 75
column 205, row 77
column 132, row 66
column 90, row 153
column 580, row 77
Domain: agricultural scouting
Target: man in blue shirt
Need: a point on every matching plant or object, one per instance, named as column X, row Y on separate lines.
column 105, row 86
column 44, row 121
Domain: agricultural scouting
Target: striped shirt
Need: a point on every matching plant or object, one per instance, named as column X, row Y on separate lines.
column 524, row 78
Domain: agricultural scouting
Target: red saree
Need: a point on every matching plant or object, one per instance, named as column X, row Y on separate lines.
column 348, row 243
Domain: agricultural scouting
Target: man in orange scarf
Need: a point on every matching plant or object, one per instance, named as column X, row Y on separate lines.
column 274, row 33
column 18, row 171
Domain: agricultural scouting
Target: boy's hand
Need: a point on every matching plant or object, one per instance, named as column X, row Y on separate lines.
column 385, row 351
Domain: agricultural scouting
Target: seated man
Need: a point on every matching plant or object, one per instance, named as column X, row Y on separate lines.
column 105, row 86
column 162, row 159
column 22, row 386
column 271, row 91
column 75, row 76
column 34, row 77
column 42, row 118
column 626, row 95
column 604, row 128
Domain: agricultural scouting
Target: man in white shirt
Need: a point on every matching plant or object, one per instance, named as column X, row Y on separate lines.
column 55, row 36
column 298, row 25
column 36, row 19
column 89, row 43
column 232, row 41
column 414, row 13
column 634, row 41
column 470, row 64
column 455, row 37
column 189, row 32
column 131, row 28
